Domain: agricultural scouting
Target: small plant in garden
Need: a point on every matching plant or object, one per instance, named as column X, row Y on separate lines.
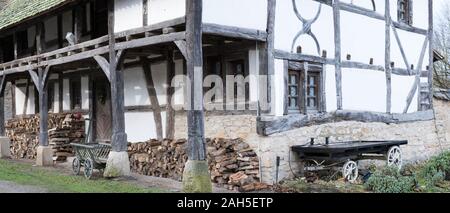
column 390, row 180
column 436, row 170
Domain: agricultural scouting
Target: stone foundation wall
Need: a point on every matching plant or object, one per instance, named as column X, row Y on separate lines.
column 426, row 138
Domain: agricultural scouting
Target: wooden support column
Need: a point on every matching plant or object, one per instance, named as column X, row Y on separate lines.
column 196, row 177
column 337, row 51
column 196, row 136
column 146, row 66
column 170, row 112
column 43, row 109
column 119, row 137
column 431, row 53
column 387, row 57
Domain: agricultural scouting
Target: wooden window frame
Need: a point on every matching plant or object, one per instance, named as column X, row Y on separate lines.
column 303, row 87
column 405, row 11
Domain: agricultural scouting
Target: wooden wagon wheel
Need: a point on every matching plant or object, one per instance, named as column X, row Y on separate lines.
column 394, row 157
column 350, row 171
column 88, row 168
column 76, row 166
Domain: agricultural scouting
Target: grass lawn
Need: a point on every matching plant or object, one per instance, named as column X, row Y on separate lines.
column 53, row 181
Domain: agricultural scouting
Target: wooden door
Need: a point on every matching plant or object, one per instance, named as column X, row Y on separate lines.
column 102, row 101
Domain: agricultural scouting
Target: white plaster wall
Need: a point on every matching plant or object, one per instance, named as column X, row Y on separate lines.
column 287, row 25
column 330, row 88
column 85, row 92
column 163, row 10
column 128, row 14
column 363, row 90
column 56, row 99
column 140, row 126
column 253, row 57
column 66, row 94
column 20, row 100
column 246, row 14
column 361, row 37
column 278, row 88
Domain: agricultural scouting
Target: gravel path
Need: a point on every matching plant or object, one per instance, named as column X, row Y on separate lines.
column 9, row 187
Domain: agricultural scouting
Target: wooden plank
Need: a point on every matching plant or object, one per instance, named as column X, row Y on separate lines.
column 323, row 85
column 337, row 51
column 151, row 90
column 145, row 12
column 104, row 66
column 304, row 102
column 416, row 84
column 267, row 126
column 431, row 53
column 387, row 56
column 270, row 48
column 170, row 112
column 196, row 148
column 234, row 32
column 3, row 85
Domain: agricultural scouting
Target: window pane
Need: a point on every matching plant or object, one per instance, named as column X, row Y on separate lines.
column 293, row 79
column 293, row 102
column 294, row 91
column 312, row 80
column 312, row 91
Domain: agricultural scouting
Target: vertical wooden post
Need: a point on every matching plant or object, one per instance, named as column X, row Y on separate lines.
column 13, row 97
column 43, row 109
column 118, row 163
column 337, row 51
column 271, row 8
column 119, row 137
column 431, row 53
column 196, row 140
column 387, row 57
column 2, row 110
column 170, row 113
column 196, row 177
column 145, row 12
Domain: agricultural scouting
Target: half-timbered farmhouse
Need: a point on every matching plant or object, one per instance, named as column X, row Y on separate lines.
column 344, row 69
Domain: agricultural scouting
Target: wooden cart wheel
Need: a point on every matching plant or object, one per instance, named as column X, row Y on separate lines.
column 394, row 157
column 76, row 166
column 88, row 168
column 350, row 171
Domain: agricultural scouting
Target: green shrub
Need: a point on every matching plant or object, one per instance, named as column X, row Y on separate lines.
column 389, row 180
column 436, row 169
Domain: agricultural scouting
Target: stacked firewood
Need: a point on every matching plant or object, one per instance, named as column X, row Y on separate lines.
column 24, row 134
column 71, row 130
column 232, row 163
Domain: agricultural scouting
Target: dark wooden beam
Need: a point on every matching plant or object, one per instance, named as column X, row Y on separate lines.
column 196, row 130
column 387, row 57
column 270, row 125
column 146, row 66
column 119, row 139
column 269, row 48
column 104, row 66
column 43, row 110
column 337, row 51
column 431, row 53
column 145, row 12
column 170, row 112
column 234, row 32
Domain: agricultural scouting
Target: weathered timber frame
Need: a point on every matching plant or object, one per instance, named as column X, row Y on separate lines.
column 288, row 122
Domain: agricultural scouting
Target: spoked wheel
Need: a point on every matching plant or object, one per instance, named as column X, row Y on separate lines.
column 350, row 171
column 76, row 166
column 88, row 168
column 394, row 157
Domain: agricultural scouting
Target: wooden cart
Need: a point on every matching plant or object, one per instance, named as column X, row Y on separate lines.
column 345, row 155
column 90, row 155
